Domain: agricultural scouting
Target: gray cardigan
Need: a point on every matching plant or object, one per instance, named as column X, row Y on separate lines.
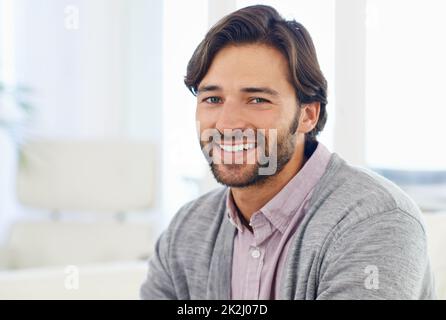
column 361, row 238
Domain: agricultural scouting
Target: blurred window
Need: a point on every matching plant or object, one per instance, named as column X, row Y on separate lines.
column 406, row 67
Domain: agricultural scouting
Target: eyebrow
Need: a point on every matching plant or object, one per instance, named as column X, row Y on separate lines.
column 209, row 88
column 265, row 90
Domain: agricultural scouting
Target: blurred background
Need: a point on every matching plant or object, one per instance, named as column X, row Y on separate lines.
column 98, row 148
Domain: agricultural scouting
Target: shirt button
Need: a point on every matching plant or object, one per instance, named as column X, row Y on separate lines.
column 255, row 253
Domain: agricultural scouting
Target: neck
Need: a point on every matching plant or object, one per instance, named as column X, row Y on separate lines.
column 251, row 199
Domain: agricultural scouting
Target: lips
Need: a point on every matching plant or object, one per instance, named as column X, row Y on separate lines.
column 243, row 153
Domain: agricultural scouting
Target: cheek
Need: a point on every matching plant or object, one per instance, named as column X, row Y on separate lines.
column 205, row 114
column 289, row 116
column 267, row 120
column 205, row 123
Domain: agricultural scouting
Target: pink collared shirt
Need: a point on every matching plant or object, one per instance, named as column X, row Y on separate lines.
column 259, row 256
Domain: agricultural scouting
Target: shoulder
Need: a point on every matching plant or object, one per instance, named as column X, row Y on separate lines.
column 199, row 216
column 347, row 195
column 204, row 207
column 362, row 219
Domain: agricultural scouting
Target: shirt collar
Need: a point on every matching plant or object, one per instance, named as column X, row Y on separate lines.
column 233, row 213
column 282, row 207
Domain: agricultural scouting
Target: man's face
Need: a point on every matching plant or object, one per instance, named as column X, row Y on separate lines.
column 246, row 90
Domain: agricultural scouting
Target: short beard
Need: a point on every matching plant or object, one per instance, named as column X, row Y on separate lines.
column 285, row 149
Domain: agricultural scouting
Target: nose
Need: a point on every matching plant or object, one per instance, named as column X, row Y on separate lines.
column 230, row 117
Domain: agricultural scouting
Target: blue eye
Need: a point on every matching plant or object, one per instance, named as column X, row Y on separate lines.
column 259, row 100
column 213, row 100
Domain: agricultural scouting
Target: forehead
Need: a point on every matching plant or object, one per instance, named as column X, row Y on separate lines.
column 245, row 65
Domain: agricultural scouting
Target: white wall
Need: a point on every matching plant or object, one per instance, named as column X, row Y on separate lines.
column 184, row 26
column 110, row 67
column 349, row 82
column 100, row 80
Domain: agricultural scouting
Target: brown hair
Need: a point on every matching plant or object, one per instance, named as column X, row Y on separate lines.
column 263, row 24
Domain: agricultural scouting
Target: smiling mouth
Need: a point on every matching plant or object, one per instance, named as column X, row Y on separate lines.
column 236, row 147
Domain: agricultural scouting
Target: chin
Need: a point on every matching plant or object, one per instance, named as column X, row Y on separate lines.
column 237, row 175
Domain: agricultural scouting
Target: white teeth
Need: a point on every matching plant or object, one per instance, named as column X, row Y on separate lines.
column 237, row 147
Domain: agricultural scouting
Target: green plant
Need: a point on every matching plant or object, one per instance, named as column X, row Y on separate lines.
column 21, row 109
column 15, row 112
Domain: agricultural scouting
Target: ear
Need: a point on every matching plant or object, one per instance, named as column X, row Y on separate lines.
column 309, row 115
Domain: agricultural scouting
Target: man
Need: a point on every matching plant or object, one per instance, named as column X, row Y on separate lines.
column 293, row 221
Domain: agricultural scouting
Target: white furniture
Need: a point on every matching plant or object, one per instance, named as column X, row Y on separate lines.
column 97, row 195
column 57, row 243
column 436, row 232
column 100, row 176
column 119, row 280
